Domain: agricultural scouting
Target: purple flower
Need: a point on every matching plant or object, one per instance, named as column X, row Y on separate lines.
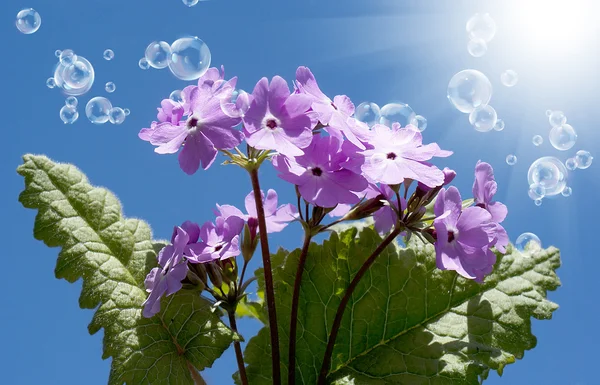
column 277, row 120
column 166, row 279
column 449, row 176
column 398, row 153
column 335, row 115
column 206, row 130
column 463, row 238
column 385, row 218
column 220, row 240
column 277, row 218
column 484, row 189
column 319, row 174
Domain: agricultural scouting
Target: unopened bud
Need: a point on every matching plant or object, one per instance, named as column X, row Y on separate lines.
column 194, row 279
column 200, row 271
column 250, row 240
column 366, row 209
column 229, row 270
column 214, row 274
column 430, row 234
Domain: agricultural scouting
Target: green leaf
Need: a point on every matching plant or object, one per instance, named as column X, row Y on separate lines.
column 112, row 255
column 407, row 322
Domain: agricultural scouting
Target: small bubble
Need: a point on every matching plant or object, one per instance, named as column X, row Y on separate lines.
column 367, row 112
column 571, row 164
column 57, row 53
column 567, row 191
column 237, row 106
column 67, row 57
column 477, row 47
column 396, row 113
column 583, row 159
column 538, row 202
column 499, row 125
column 468, row 90
column 509, row 78
column 528, row 242
column 97, row 110
column 563, row 137
column 71, row 101
column 176, row 96
column 116, row 115
column 536, row 191
column 50, row 83
column 28, row 21
column 190, row 3
column 483, row 118
column 110, row 87
column 481, row 27
column 157, row 54
column 548, row 112
column 143, row 64
column 537, row 140
column 557, row 118
column 511, row 159
column 108, row 54
column 189, row 58
column 69, row 114
column 420, row 122
column 126, row 111
column 77, row 78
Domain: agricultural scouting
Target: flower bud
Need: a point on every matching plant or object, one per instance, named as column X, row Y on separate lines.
column 229, row 270
column 366, row 209
column 194, row 279
column 214, row 273
column 250, row 240
column 200, row 271
column 449, row 175
column 430, row 234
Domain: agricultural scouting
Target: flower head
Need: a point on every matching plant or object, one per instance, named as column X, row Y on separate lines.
column 220, row 240
column 484, row 189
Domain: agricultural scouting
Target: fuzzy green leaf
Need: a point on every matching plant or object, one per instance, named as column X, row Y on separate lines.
column 112, row 255
column 407, row 322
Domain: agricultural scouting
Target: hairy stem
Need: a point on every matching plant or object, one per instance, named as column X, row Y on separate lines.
column 349, row 291
column 238, row 350
column 198, row 380
column 294, row 314
column 269, row 293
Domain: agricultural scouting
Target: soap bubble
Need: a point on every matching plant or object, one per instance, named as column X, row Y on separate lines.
column 126, row 111
column 537, row 140
column 509, row 78
column 563, row 137
column 116, row 115
column 536, row 191
column 420, row 122
column 108, row 54
column 548, row 112
column 528, row 242
column 189, row 58
column 481, row 27
column 571, row 164
column 538, row 202
column 499, row 126
column 75, row 79
column 176, row 96
column 71, row 101
column 57, row 53
column 583, row 159
column 468, row 90
column 477, row 47
column 368, row 112
column 190, row 3
column 557, row 118
column 237, row 106
column 157, row 54
column 110, row 87
column 50, row 83
column 143, row 64
column 511, row 159
column 67, row 57
column 69, row 114
column 567, row 191
column 97, row 110
column 483, row 118
column 28, row 21
column 550, row 173
column 396, row 113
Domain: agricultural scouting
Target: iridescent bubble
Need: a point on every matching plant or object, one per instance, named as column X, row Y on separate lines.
column 157, row 54
column 189, row 59
column 548, row 112
column 557, row 118
column 57, row 53
column 583, row 159
column 509, row 78
column 468, row 90
column 420, row 122
column 368, row 112
column 477, row 47
column 537, row 140
column 511, row 159
column 499, row 126
column 68, row 114
column 563, row 137
column 50, row 83
column 483, row 118
column 536, row 191
column 571, row 164
column 481, row 27
column 126, row 111
column 550, row 173
column 396, row 113
column 110, row 87
column 567, row 191
column 28, row 21
column 76, row 79
column 67, row 57
column 116, row 115
column 98, row 109
column 237, row 106
column 108, row 54
column 190, row 3
column 528, row 242
column 71, row 101
column 176, row 96
column 538, row 202
column 143, row 64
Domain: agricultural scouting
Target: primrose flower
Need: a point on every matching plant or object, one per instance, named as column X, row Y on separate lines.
column 277, row 120
column 464, row 237
column 166, row 279
column 397, row 153
column 205, row 131
column 220, row 240
column 385, row 218
column 277, row 218
column 319, row 174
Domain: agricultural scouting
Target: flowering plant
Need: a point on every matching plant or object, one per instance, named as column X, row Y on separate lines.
column 451, row 304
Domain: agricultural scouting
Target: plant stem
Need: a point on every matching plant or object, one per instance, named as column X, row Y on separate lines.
column 270, row 295
column 238, row 349
column 294, row 315
column 198, row 380
column 342, row 307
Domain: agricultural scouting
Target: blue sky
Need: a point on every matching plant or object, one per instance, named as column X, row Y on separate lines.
column 376, row 50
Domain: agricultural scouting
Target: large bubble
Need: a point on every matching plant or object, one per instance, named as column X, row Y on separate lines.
column 157, row 54
column 583, row 159
column 68, row 114
column 477, row 47
column 28, row 21
column 481, row 27
column 527, row 243
column 397, row 113
column 483, row 118
column 189, row 58
column 563, row 137
column 75, row 79
column 368, row 112
column 550, row 173
column 98, row 110
column 468, row 90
